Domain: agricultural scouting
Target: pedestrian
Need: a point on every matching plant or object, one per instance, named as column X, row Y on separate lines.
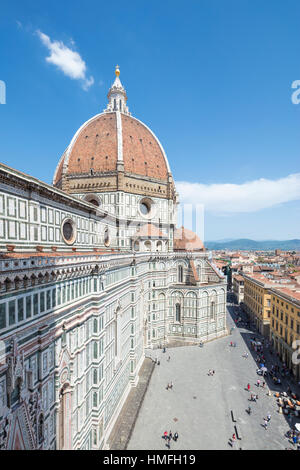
column 258, row 382
column 158, row 363
column 167, row 387
column 265, row 424
column 171, row 385
column 168, row 359
column 213, row 372
column 248, row 387
column 170, row 435
column 263, row 384
column 175, row 436
column 268, row 417
column 165, row 435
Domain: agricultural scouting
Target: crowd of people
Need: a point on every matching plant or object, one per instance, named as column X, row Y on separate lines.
column 262, row 347
column 168, row 436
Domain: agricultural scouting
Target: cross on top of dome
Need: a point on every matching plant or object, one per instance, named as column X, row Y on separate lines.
column 117, row 97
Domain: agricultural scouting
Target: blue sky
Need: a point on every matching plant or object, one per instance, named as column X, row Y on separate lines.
column 212, row 78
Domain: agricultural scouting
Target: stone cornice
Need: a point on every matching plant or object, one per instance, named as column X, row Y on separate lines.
column 15, row 178
column 38, row 270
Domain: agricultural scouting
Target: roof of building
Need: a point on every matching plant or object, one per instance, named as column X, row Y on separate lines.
column 220, row 264
column 57, row 254
column 238, row 277
column 294, row 294
column 187, row 240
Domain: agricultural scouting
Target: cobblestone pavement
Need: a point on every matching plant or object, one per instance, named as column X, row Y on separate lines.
column 199, row 406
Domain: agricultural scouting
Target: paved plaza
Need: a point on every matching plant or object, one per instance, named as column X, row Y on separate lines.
column 199, row 406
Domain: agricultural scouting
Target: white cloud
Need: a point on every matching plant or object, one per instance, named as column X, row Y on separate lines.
column 87, row 83
column 251, row 196
column 67, row 60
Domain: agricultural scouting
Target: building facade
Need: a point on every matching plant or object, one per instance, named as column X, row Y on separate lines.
column 238, row 287
column 257, row 301
column 92, row 272
column 285, row 326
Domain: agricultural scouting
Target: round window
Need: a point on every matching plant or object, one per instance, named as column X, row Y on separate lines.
column 144, row 208
column 68, row 230
column 93, row 199
column 106, row 237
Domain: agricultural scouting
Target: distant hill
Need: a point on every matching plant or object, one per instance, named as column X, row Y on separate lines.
column 247, row 244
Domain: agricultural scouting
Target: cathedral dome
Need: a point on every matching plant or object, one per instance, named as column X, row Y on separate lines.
column 186, row 240
column 113, row 141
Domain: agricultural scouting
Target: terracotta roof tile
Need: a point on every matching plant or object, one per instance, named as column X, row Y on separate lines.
column 185, row 239
column 53, row 254
column 141, row 152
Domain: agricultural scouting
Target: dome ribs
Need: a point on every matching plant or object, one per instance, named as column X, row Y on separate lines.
column 139, row 144
column 98, row 140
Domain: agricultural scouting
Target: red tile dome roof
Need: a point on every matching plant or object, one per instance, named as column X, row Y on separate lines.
column 186, row 240
column 108, row 137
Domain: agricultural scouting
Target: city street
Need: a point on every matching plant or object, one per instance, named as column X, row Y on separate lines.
column 199, row 406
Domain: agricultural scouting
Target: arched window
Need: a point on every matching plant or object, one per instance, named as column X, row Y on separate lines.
column 95, row 326
column 159, row 246
column 177, row 312
column 148, row 246
column 95, row 379
column 115, row 104
column 213, row 305
column 120, row 105
column 180, row 274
